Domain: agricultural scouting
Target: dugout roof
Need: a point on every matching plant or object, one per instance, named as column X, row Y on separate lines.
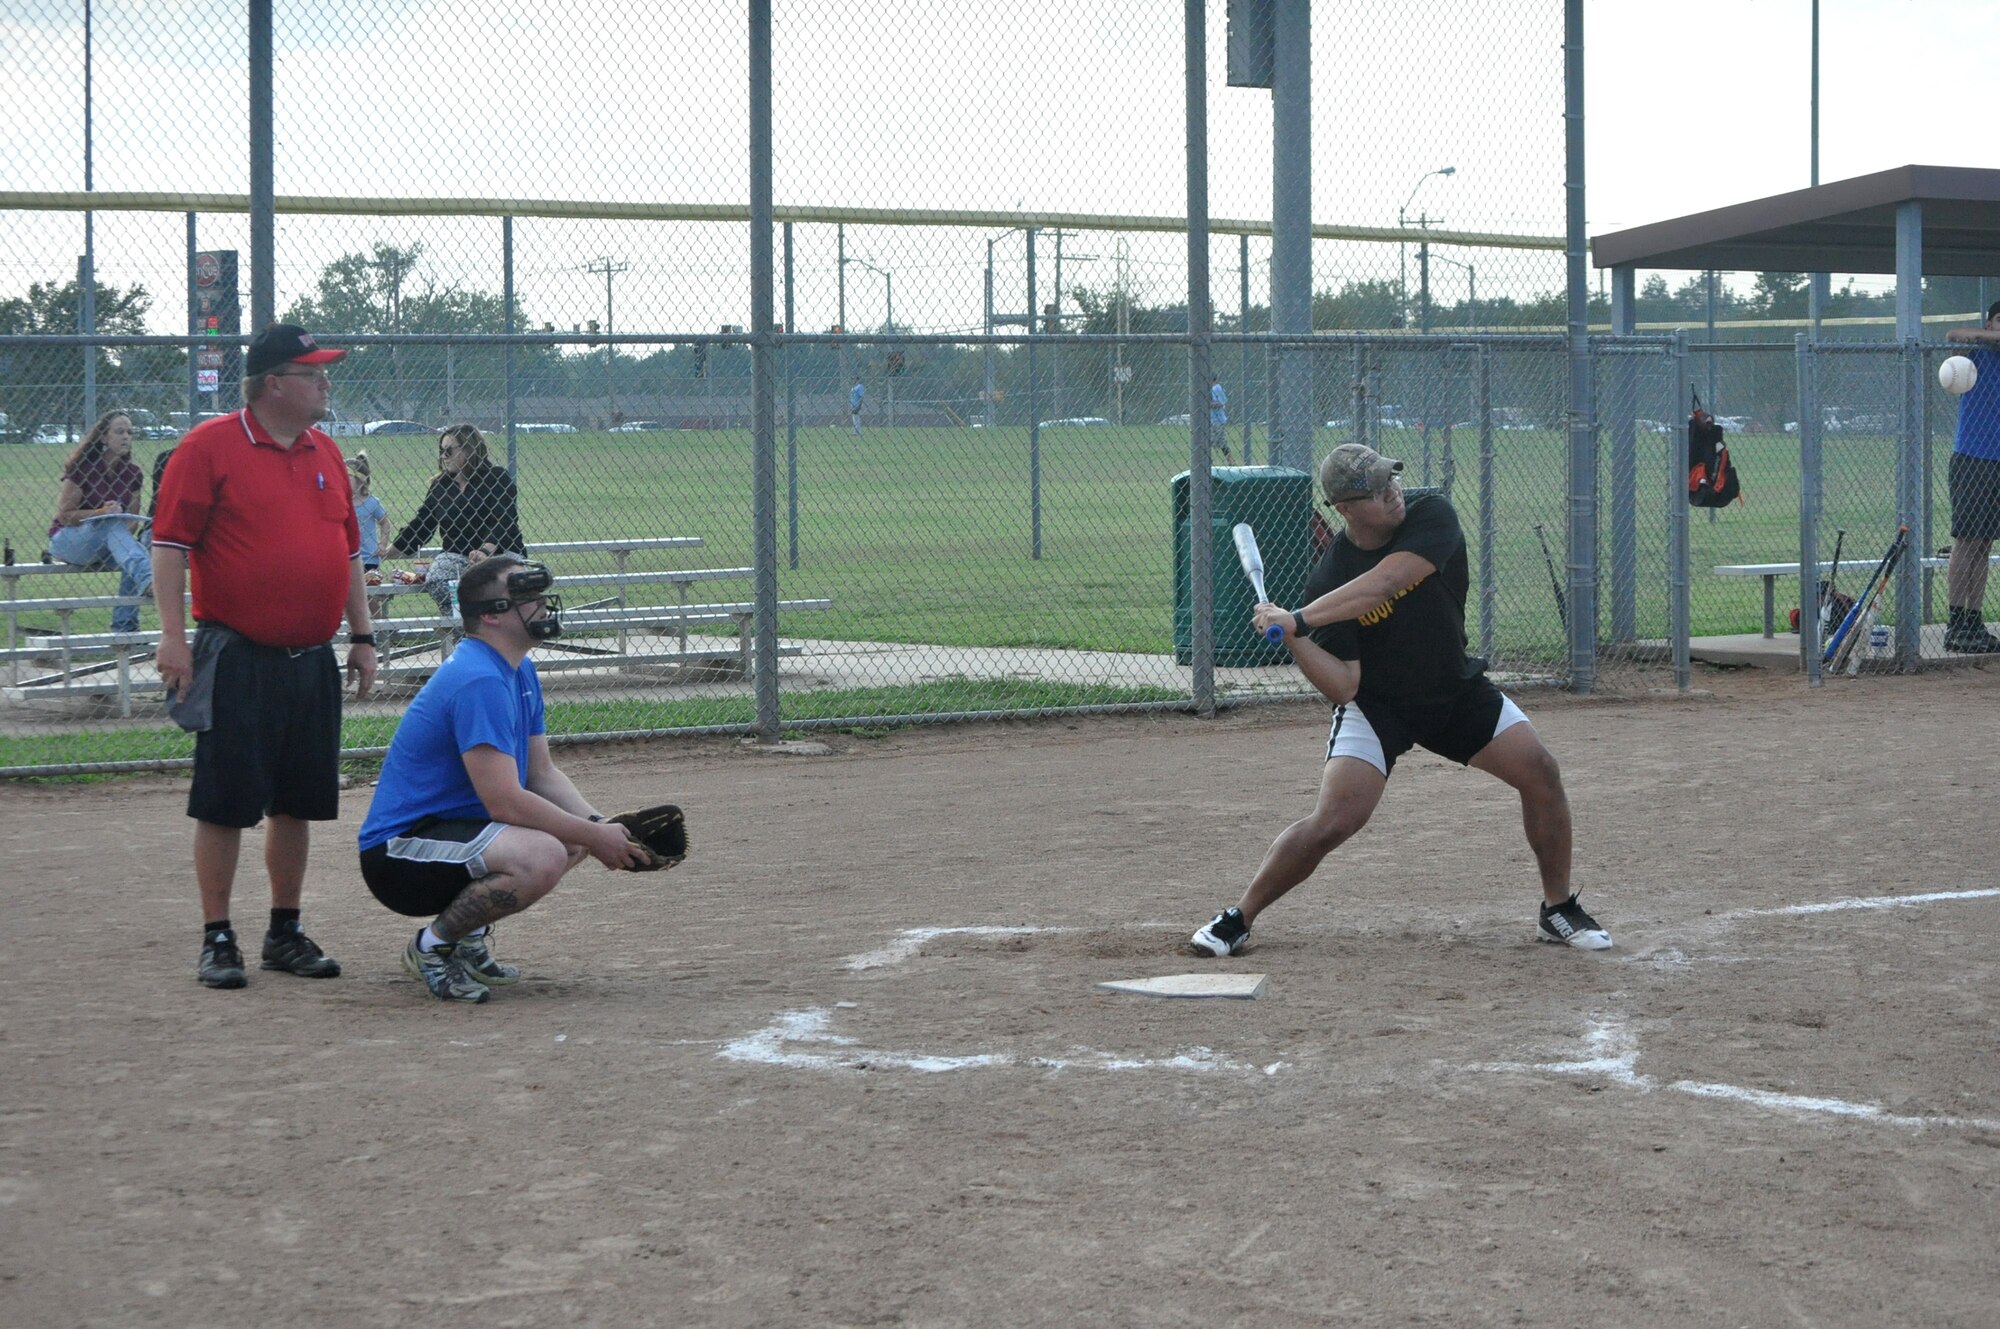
column 1846, row 226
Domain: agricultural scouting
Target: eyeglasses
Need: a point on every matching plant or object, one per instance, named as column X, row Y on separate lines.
column 319, row 374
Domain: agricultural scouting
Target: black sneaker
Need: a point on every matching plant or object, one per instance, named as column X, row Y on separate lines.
column 1567, row 924
column 1971, row 638
column 1226, row 934
column 296, row 953
column 221, row 963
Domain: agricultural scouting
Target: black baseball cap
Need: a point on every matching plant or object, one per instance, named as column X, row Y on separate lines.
column 281, row 344
column 1993, row 311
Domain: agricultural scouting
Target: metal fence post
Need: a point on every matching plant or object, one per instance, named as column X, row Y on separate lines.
column 1201, row 544
column 1489, row 578
column 1677, row 522
column 1811, row 499
column 763, row 376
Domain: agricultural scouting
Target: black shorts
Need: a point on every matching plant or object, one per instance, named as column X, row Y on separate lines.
column 1458, row 731
column 1975, row 497
column 273, row 748
column 422, row 870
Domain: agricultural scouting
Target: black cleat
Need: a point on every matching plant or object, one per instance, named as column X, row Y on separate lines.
column 221, row 963
column 296, row 953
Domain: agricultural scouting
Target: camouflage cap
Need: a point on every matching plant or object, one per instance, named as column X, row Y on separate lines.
column 1354, row 470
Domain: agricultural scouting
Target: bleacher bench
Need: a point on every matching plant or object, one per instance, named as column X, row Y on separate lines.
column 1770, row 572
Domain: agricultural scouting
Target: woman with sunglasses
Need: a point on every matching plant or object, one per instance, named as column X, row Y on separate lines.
column 470, row 506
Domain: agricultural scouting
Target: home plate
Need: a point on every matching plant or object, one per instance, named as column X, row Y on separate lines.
column 1245, row 986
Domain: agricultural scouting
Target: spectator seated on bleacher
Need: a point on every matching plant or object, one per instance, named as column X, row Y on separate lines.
column 470, row 505
column 100, row 485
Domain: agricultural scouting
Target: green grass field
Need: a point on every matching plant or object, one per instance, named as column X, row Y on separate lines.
column 926, row 534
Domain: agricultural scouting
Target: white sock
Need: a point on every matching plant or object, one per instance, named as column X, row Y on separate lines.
column 429, row 940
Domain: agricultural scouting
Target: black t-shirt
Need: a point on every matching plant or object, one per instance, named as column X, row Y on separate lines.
column 1411, row 648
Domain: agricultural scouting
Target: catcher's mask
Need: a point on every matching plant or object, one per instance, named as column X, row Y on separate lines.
column 525, row 585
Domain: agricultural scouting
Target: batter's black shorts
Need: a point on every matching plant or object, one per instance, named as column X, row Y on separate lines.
column 1378, row 733
column 1975, row 497
column 423, row 869
column 273, row 748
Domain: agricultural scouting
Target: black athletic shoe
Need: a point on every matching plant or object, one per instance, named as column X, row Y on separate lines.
column 1567, row 924
column 221, row 963
column 296, row 953
column 1971, row 639
column 1225, row 934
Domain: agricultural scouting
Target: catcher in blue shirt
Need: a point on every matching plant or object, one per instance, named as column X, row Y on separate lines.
column 1383, row 638
column 471, row 820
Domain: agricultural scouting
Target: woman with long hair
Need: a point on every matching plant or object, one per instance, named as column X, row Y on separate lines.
column 471, row 505
column 92, row 529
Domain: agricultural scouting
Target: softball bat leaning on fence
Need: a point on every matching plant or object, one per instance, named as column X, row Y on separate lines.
column 1252, row 560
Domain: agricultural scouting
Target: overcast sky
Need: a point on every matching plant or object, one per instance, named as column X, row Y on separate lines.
column 1070, row 105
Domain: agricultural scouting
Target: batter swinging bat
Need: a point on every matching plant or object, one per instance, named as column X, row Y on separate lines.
column 1252, row 560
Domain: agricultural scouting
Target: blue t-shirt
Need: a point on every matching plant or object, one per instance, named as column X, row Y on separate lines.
column 854, row 400
column 370, row 513
column 476, row 699
column 1979, row 410
column 1217, row 399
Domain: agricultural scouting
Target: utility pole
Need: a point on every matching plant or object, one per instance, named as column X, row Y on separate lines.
column 610, row 270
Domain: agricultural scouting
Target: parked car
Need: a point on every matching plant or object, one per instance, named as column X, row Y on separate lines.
column 1074, row 421
column 1179, row 421
column 524, row 427
column 53, row 435
column 636, row 427
column 375, row 427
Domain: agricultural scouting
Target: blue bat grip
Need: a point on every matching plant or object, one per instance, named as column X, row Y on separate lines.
column 1274, row 633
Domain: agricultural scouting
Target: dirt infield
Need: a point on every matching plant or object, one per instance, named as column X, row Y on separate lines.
column 848, row 1067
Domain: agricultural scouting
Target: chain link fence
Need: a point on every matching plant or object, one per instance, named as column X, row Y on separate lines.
column 531, row 218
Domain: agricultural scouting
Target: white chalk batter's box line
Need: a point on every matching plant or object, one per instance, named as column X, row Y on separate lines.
column 805, row 1039
column 1615, row 1052
column 1612, row 1053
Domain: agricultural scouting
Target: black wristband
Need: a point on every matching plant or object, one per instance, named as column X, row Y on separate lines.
column 360, row 639
column 1299, row 628
column 597, row 816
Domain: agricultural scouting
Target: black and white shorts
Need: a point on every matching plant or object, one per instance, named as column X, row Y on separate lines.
column 422, row 870
column 1457, row 732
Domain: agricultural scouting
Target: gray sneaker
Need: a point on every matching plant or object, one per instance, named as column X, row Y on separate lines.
column 476, row 954
column 221, row 964
column 442, row 971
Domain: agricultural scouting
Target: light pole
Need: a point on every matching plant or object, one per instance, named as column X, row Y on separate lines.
column 991, row 319
column 1402, row 250
column 888, row 320
column 1471, row 288
column 609, row 270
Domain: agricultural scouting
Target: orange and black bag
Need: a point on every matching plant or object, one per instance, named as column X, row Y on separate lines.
column 1712, row 480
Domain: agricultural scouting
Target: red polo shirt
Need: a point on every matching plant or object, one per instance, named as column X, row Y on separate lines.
column 269, row 531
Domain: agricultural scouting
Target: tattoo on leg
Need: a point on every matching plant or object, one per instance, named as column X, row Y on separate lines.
column 476, row 906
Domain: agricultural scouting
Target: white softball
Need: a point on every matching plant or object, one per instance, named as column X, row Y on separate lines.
column 1957, row 374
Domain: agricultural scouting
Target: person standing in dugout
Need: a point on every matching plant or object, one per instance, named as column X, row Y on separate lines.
column 256, row 505
column 1383, row 638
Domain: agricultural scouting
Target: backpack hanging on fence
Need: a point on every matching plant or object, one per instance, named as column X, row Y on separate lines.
column 1712, row 481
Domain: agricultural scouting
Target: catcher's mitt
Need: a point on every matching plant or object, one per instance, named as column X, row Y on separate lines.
column 662, row 830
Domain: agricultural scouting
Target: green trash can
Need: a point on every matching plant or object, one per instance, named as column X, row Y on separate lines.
column 1277, row 503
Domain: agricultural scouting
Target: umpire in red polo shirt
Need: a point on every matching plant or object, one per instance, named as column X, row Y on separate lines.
column 256, row 504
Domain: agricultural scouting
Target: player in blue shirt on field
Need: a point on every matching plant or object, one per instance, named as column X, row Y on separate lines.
column 472, row 821
column 854, row 406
